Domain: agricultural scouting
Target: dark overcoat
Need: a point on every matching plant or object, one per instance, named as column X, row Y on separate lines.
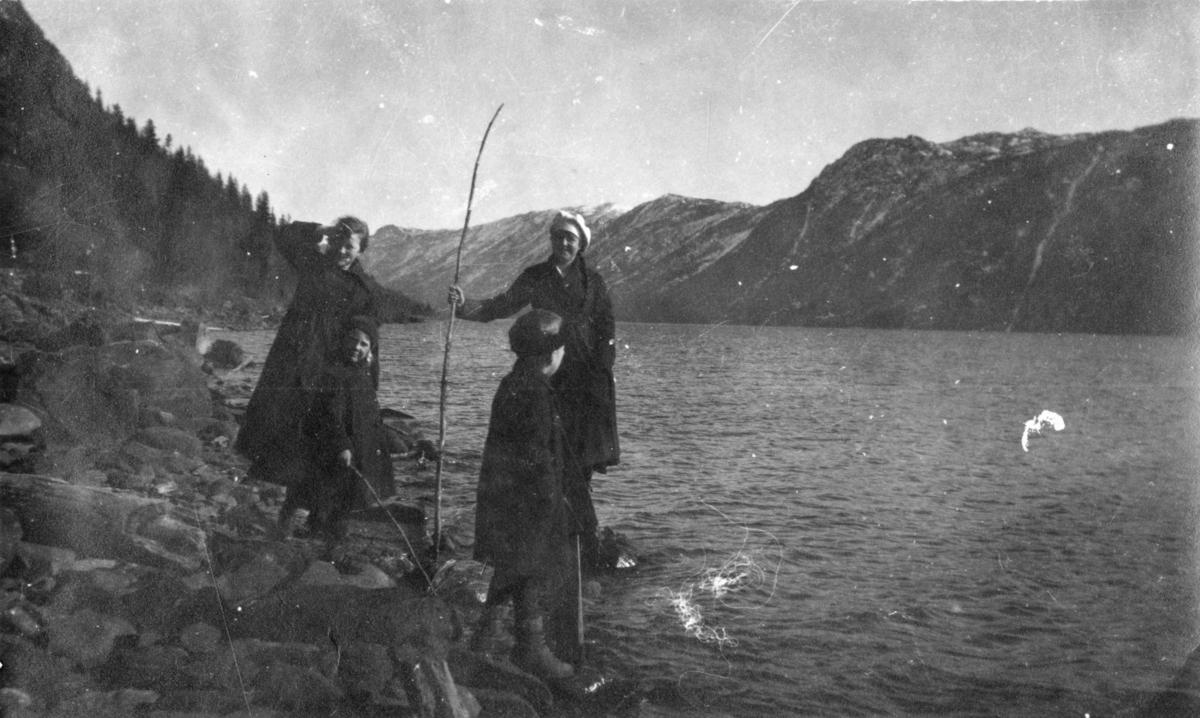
column 344, row 414
column 308, row 338
column 586, row 390
column 521, row 516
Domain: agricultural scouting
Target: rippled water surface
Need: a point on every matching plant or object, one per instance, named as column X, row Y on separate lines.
column 844, row 523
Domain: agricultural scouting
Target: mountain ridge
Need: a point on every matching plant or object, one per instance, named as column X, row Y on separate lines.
column 1024, row 231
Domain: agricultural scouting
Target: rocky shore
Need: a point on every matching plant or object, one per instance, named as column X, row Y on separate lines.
column 140, row 571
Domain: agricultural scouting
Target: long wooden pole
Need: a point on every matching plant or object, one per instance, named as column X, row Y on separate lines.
column 399, row 529
column 437, row 498
column 579, row 597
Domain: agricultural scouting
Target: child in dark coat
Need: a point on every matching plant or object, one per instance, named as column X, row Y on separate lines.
column 346, row 440
column 522, row 519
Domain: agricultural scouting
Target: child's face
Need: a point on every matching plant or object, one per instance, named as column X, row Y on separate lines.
column 358, row 347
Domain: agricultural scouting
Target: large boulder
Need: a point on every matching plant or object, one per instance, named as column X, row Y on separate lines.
column 42, row 677
column 93, row 394
column 308, row 613
column 397, row 642
column 98, row 523
column 166, row 438
column 254, row 578
column 87, row 330
column 87, row 637
column 16, row 420
column 361, row 575
column 20, row 436
column 10, row 536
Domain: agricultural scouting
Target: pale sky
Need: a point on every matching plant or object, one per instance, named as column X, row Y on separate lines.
column 377, row 107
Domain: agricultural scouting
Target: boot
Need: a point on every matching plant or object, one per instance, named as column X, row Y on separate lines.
column 532, row 655
column 290, row 521
column 489, row 633
column 336, row 528
column 329, row 523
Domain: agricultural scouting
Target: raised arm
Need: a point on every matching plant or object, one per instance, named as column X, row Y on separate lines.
column 300, row 245
column 506, row 304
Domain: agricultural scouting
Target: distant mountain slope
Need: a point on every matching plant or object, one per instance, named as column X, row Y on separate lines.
column 1023, row 231
column 420, row 263
column 1033, row 232
column 642, row 253
column 656, row 248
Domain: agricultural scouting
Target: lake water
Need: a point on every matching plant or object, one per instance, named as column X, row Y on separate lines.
column 844, row 522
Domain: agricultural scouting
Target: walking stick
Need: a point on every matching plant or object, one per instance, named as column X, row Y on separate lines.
column 437, row 497
column 399, row 529
column 579, row 596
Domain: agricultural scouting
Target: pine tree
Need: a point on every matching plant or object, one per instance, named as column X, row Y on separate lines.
column 148, row 135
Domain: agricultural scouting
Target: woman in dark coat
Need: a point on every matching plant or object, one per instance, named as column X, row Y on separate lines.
column 565, row 285
column 329, row 291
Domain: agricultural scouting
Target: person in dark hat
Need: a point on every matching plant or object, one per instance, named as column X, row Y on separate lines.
column 345, row 440
column 565, row 285
column 521, row 516
column 331, row 287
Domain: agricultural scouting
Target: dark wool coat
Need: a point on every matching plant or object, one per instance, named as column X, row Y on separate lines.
column 586, row 391
column 308, row 338
column 344, row 414
column 521, row 516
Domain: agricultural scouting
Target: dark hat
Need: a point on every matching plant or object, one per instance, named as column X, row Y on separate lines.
column 366, row 325
column 535, row 333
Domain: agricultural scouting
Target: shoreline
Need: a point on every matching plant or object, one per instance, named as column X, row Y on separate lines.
column 120, row 608
column 172, row 559
column 32, row 307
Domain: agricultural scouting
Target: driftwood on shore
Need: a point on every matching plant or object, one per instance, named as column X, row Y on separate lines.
column 103, row 523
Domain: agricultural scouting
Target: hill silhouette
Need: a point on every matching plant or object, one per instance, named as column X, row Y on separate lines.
column 1022, row 232
column 98, row 210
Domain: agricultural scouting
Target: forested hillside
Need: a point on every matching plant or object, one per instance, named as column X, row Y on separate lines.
column 97, row 208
